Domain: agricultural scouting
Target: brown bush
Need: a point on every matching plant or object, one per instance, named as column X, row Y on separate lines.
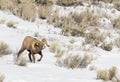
column 2, row 77
column 107, row 47
column 107, row 1
column 4, row 49
column 7, row 4
column 117, row 5
column 27, row 10
column 116, row 23
column 69, row 2
column 75, row 61
column 23, row 60
column 45, row 2
column 53, row 18
column 44, row 11
column 54, row 46
column 107, row 74
column 11, row 24
column 117, row 42
column 76, row 24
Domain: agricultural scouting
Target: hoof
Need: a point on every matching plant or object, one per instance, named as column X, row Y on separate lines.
column 39, row 60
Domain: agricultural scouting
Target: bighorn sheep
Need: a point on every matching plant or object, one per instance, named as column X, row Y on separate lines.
column 33, row 46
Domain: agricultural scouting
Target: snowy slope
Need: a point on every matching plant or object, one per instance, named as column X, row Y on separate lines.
column 46, row 70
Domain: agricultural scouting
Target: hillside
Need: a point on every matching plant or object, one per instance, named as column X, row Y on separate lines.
column 84, row 38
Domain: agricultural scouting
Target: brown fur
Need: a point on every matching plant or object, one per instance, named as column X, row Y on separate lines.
column 33, row 46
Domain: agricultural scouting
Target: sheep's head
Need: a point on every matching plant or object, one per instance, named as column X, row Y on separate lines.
column 45, row 42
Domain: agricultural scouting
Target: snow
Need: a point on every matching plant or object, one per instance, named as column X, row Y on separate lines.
column 46, row 70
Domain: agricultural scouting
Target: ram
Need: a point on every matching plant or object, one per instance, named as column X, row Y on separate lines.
column 33, row 46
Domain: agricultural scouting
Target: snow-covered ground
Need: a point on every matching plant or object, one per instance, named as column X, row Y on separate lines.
column 46, row 70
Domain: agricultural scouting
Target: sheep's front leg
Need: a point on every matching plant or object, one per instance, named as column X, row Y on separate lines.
column 40, row 55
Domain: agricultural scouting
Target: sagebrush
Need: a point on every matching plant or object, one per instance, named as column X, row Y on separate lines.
column 75, row 61
column 4, row 49
column 108, row 74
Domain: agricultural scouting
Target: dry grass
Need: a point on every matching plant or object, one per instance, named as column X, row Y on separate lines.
column 117, row 5
column 2, row 77
column 107, row 1
column 7, row 4
column 94, row 37
column 27, row 10
column 59, row 53
column 46, row 2
column 4, row 49
column 44, row 11
column 75, row 61
column 2, row 21
column 11, row 24
column 22, row 61
column 107, row 47
column 92, row 68
column 69, row 2
column 54, row 18
column 76, row 24
column 107, row 74
column 117, row 42
column 116, row 23
column 54, row 46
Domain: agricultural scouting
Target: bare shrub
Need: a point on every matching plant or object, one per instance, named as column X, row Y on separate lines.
column 107, row 1
column 72, row 41
column 117, row 42
column 116, row 23
column 107, row 47
column 22, row 61
column 2, row 77
column 54, row 46
column 45, row 2
column 76, row 24
column 69, row 2
column 103, row 74
column 4, row 49
column 44, row 11
column 94, row 37
column 27, row 10
column 11, row 24
column 117, row 5
column 2, row 21
column 53, row 18
column 7, row 4
column 75, row 61
column 92, row 68
column 107, row 74
column 59, row 53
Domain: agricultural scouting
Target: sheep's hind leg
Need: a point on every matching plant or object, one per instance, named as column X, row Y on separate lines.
column 19, row 53
column 33, row 58
column 30, row 56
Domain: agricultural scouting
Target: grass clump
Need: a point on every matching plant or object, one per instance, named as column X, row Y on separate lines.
column 117, row 5
column 54, row 46
column 69, row 2
column 76, row 24
column 108, row 74
column 11, row 24
column 116, row 23
column 75, row 61
column 4, row 49
column 2, row 77
column 44, row 11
